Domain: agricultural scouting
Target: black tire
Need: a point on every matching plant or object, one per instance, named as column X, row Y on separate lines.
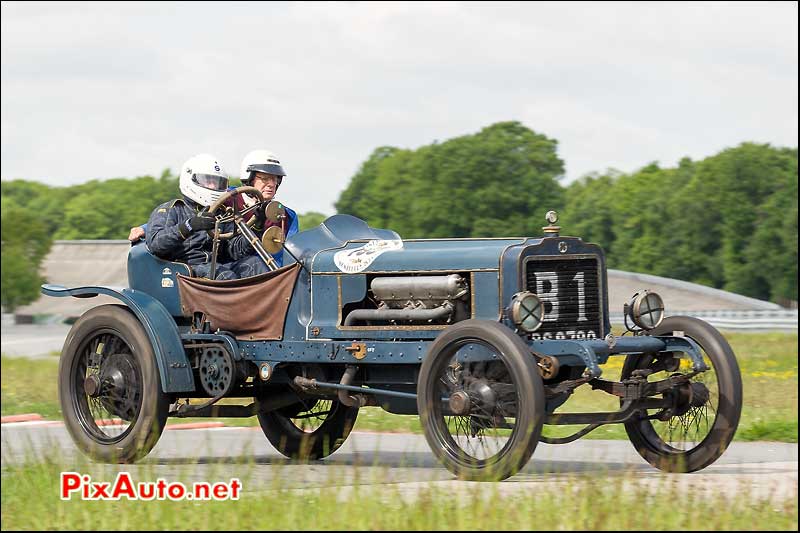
column 123, row 421
column 516, row 392
column 704, row 432
column 310, row 430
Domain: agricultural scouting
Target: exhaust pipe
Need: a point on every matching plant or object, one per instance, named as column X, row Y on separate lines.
column 359, row 400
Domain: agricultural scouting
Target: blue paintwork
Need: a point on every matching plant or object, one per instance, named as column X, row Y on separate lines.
column 334, row 232
column 332, row 288
column 487, row 285
column 689, row 347
column 173, row 366
column 426, row 255
column 312, row 333
column 325, row 351
column 149, row 274
column 588, row 352
column 594, row 352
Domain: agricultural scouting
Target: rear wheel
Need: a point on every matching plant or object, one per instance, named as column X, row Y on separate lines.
column 310, row 429
column 482, row 418
column 702, row 423
column 109, row 386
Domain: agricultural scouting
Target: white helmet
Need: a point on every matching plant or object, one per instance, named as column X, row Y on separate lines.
column 260, row 161
column 203, row 180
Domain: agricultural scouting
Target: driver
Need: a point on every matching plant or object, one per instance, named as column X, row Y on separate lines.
column 178, row 229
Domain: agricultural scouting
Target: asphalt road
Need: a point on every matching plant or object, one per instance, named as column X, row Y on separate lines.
column 759, row 470
column 33, row 341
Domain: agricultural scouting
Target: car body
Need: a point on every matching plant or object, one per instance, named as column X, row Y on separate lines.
column 359, row 317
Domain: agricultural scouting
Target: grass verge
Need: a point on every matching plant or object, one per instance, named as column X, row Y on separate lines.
column 31, row 500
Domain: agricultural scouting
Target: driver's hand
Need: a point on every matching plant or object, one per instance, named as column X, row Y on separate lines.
column 260, row 216
column 199, row 222
column 136, row 234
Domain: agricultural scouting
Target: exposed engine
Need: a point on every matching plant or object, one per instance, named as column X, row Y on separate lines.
column 416, row 299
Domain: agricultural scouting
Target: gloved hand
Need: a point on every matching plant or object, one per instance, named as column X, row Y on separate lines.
column 260, row 216
column 201, row 221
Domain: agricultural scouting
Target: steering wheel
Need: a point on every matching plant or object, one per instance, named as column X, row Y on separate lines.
column 227, row 216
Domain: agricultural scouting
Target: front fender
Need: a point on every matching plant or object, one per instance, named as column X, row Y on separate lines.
column 173, row 366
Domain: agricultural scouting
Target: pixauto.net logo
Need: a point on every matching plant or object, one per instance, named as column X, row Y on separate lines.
column 82, row 487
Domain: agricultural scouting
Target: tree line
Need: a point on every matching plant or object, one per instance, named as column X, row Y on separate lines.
column 728, row 221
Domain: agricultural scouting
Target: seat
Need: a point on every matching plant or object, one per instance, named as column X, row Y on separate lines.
column 156, row 277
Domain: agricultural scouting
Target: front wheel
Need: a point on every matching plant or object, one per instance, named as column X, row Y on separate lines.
column 109, row 386
column 481, row 400
column 699, row 429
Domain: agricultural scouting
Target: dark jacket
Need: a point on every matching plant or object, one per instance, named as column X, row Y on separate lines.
column 166, row 241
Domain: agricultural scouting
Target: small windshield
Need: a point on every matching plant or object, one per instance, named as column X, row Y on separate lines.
column 211, row 181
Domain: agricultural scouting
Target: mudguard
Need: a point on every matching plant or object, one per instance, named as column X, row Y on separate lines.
column 173, row 365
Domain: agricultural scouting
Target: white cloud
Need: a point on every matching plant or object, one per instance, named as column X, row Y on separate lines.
column 104, row 90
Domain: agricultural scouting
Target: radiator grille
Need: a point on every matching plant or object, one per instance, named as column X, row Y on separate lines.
column 570, row 290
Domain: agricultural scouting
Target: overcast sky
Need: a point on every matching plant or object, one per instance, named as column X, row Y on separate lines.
column 119, row 90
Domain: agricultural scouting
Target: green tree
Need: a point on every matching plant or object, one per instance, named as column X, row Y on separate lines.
column 644, row 204
column 590, row 202
column 108, row 209
column 47, row 202
column 357, row 199
column 310, row 220
column 726, row 205
column 770, row 256
column 499, row 181
column 25, row 243
column 96, row 209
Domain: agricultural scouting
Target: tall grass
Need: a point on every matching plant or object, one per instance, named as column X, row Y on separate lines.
column 30, row 500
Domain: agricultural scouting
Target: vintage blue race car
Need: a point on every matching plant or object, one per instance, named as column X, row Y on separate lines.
column 483, row 339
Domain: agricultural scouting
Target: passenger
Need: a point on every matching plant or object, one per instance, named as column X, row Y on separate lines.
column 260, row 169
column 178, row 229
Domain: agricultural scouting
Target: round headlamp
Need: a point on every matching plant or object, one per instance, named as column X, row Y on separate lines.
column 646, row 309
column 527, row 311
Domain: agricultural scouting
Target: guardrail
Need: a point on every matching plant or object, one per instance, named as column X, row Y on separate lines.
column 762, row 320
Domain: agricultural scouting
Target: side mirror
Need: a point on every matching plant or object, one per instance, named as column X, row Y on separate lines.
column 275, row 212
column 273, row 238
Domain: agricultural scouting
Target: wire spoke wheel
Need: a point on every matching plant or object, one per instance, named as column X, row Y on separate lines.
column 481, row 400
column 698, row 402
column 704, row 413
column 109, row 386
column 309, row 415
column 309, row 429
column 483, row 434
